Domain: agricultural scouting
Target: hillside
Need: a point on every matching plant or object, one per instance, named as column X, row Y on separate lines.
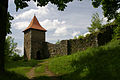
column 99, row 63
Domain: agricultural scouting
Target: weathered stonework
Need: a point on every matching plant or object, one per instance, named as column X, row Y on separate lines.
column 35, row 46
column 58, row 49
column 27, row 45
column 66, row 47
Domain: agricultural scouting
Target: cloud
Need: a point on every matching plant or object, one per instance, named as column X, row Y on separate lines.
column 40, row 11
column 61, row 31
column 76, row 34
column 86, row 33
column 20, row 25
column 21, row 50
column 52, row 24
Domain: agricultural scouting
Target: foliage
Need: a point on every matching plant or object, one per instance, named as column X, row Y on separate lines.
column 58, row 42
column 96, row 23
column 11, row 51
column 116, row 34
column 61, row 4
column 80, row 37
column 9, row 23
column 99, row 63
column 109, row 7
column 75, row 37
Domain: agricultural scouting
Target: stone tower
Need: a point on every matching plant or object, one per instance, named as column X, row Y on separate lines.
column 35, row 46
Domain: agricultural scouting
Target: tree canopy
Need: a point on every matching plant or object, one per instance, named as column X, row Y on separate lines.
column 110, row 7
column 96, row 23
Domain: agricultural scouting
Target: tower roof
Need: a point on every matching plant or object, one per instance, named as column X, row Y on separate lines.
column 34, row 24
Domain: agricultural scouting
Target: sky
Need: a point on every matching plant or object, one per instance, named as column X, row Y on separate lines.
column 60, row 25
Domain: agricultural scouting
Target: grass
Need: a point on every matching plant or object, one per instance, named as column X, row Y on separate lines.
column 21, row 67
column 40, row 70
column 98, row 63
column 20, row 70
column 8, row 75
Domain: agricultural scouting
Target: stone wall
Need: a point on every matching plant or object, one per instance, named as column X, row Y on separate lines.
column 27, row 45
column 58, row 49
column 66, row 47
column 36, row 47
column 76, row 45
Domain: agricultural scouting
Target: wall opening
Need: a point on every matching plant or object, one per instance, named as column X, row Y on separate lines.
column 39, row 55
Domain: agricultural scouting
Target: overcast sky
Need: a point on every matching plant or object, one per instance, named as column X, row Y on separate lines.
column 60, row 25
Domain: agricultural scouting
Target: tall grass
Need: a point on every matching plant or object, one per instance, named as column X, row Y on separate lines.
column 100, row 63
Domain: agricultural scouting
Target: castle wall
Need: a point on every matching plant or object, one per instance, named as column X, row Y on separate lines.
column 76, row 45
column 58, row 49
column 27, row 45
column 37, row 35
column 66, row 47
column 37, row 47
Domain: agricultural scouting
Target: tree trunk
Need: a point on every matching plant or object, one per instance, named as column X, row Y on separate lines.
column 3, row 25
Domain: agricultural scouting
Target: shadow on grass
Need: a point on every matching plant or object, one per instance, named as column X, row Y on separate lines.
column 46, row 78
column 12, row 76
column 101, row 63
column 15, row 64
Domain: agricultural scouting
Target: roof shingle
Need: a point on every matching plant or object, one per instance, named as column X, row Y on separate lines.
column 34, row 24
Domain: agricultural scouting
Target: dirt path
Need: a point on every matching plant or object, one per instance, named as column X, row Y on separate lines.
column 31, row 73
column 48, row 73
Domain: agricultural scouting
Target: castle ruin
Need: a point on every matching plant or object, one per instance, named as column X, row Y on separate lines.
column 36, row 47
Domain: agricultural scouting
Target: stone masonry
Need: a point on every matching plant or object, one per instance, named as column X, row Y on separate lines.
column 35, row 46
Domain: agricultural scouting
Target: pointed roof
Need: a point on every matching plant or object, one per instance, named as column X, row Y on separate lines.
column 34, row 24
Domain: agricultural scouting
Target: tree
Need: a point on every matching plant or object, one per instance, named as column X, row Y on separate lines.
column 10, row 48
column 110, row 8
column 96, row 23
column 3, row 31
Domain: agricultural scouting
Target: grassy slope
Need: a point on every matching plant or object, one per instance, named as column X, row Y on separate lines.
column 101, row 63
column 21, row 67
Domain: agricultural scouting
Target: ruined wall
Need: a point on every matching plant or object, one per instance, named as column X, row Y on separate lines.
column 71, row 46
column 58, row 49
column 106, row 35
column 35, row 46
column 66, row 47
column 76, row 45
